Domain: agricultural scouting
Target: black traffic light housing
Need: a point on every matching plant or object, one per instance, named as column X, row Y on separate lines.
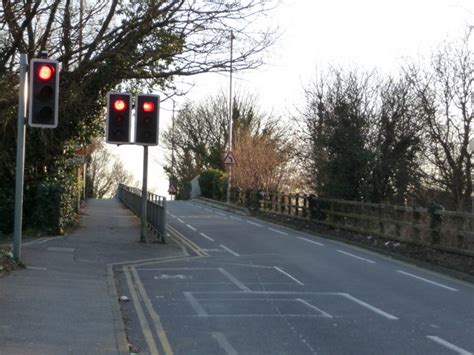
column 43, row 92
column 147, row 109
column 119, row 113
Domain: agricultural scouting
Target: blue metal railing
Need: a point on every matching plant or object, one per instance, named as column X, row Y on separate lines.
column 156, row 208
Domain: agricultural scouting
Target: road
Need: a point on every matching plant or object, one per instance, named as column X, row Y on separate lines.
column 244, row 286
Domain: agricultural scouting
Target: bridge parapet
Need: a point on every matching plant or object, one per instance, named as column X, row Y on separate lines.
column 156, row 208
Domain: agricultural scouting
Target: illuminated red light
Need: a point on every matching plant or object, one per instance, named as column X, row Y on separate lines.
column 148, row 106
column 120, row 105
column 45, row 72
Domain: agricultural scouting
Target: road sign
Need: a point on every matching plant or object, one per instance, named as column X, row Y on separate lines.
column 229, row 158
column 76, row 160
column 172, row 190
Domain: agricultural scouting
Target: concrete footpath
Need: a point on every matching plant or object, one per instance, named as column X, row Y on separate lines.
column 65, row 302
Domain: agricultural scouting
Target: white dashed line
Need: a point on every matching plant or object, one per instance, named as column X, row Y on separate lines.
column 224, row 343
column 368, row 306
column 277, row 231
column 229, row 250
column 221, row 214
column 206, row 236
column 448, row 345
column 236, row 218
column 287, row 274
column 255, row 224
column 180, row 220
column 357, row 257
column 200, row 311
column 426, row 280
column 324, row 314
column 191, row 227
column 312, row 241
column 234, row 280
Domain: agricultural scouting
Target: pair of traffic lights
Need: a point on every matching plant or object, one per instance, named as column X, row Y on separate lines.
column 119, row 114
column 43, row 92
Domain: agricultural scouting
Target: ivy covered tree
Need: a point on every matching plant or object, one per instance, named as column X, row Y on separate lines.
column 362, row 137
column 101, row 45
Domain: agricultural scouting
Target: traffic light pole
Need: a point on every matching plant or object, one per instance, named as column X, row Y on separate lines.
column 20, row 161
column 144, row 212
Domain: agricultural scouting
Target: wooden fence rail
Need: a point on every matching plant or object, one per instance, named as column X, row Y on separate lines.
column 434, row 227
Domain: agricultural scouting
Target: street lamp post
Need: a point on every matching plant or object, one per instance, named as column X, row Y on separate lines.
column 230, row 114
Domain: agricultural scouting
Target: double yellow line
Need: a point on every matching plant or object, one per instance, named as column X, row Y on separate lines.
column 143, row 303
column 137, row 292
column 181, row 239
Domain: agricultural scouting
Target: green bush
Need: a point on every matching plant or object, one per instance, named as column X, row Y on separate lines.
column 211, row 183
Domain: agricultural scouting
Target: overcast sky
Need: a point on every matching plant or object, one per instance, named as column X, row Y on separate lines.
column 315, row 34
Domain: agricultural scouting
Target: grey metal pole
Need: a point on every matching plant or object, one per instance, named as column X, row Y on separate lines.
column 20, row 162
column 172, row 152
column 144, row 206
column 229, row 183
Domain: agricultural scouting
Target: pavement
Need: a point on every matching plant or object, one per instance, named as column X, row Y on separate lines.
column 65, row 301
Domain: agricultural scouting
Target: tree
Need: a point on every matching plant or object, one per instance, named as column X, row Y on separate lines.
column 444, row 93
column 102, row 45
column 361, row 137
column 335, row 128
column 201, row 134
column 105, row 172
column 262, row 160
column 396, row 142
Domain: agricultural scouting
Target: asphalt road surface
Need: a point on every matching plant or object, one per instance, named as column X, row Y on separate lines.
column 244, row 286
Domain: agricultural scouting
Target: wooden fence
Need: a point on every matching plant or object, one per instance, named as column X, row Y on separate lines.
column 433, row 227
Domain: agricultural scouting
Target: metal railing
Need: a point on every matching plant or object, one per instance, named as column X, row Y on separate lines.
column 156, row 208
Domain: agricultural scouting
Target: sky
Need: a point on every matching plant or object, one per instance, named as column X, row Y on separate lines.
column 316, row 34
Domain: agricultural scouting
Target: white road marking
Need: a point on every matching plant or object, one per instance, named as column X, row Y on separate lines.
column 426, row 280
column 61, row 249
column 191, row 227
column 355, row 256
column 368, row 306
column 221, row 214
column 255, row 224
column 324, row 314
column 234, row 280
column 41, row 240
column 206, row 236
column 236, row 218
column 168, row 277
column 224, row 343
column 311, row 241
column 287, row 274
column 37, row 268
column 171, row 214
column 277, row 231
column 230, row 250
column 200, row 311
column 180, row 220
column 448, row 345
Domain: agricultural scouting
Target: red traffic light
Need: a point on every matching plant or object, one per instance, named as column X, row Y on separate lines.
column 45, row 72
column 148, row 106
column 120, row 105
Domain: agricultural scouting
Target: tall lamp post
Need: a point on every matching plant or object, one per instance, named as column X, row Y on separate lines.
column 470, row 148
column 230, row 114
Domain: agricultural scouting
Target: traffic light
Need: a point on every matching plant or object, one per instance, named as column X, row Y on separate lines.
column 147, row 109
column 43, row 93
column 119, row 108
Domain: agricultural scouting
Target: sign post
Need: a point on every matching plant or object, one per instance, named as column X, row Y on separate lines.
column 144, row 210
column 20, row 162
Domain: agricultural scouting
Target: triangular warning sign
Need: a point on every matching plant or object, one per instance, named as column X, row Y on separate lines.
column 229, row 158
